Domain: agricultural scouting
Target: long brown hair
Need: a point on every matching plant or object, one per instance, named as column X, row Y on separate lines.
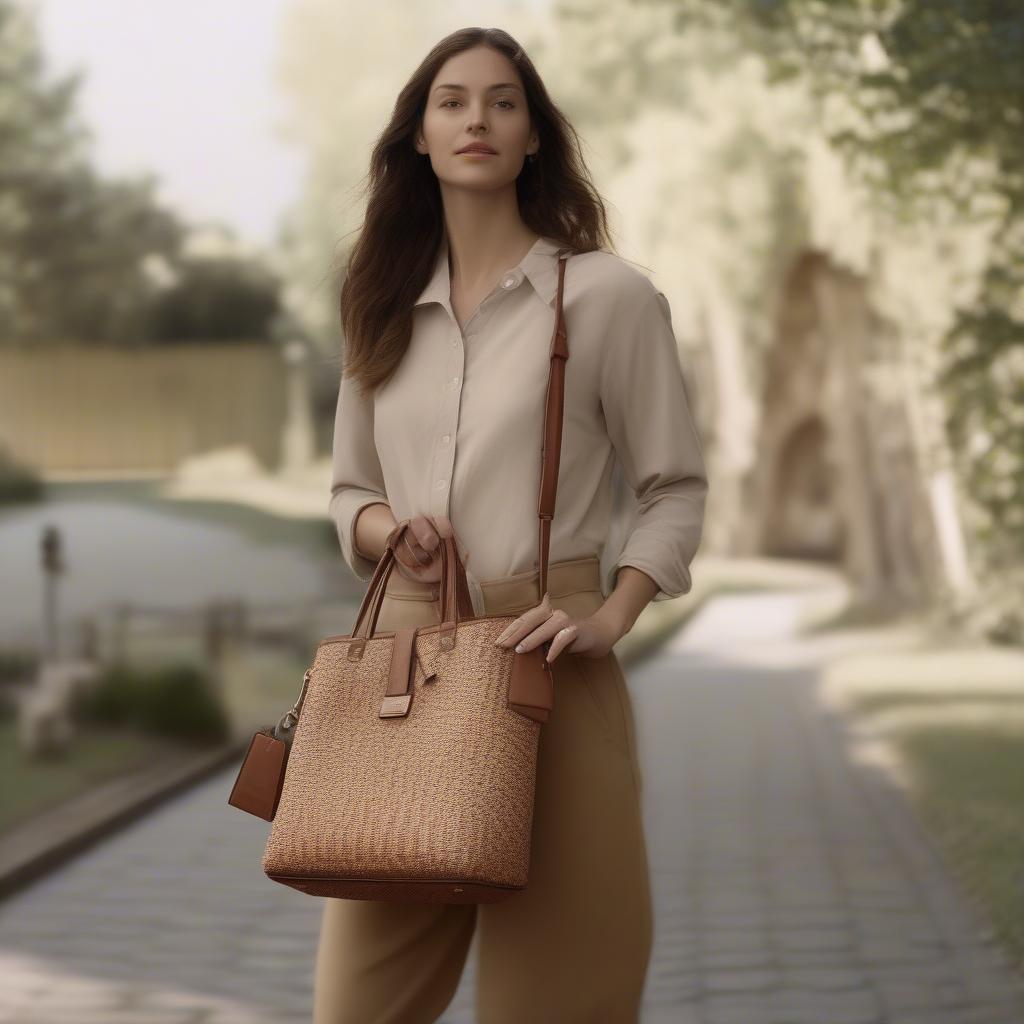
column 394, row 256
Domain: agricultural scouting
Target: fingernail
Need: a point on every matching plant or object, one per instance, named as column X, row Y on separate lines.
column 520, row 648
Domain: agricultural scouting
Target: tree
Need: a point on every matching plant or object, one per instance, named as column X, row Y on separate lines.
column 934, row 101
column 77, row 253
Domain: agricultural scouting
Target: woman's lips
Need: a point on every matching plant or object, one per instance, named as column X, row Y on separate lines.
column 474, row 152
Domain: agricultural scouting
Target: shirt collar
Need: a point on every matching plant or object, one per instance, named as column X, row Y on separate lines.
column 539, row 266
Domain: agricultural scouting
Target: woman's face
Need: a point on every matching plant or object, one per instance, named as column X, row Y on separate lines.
column 477, row 97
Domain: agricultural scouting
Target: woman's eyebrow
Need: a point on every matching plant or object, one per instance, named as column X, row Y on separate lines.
column 492, row 88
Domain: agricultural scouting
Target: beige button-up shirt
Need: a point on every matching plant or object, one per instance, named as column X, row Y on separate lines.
column 457, row 429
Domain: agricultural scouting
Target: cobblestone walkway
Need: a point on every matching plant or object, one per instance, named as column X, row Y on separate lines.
column 791, row 885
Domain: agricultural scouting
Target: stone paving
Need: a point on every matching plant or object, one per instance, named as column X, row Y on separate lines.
column 792, row 885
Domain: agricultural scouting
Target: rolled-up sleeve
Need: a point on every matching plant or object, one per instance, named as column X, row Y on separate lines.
column 651, row 427
column 357, row 479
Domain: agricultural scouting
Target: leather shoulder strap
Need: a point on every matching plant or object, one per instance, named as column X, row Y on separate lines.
column 551, row 447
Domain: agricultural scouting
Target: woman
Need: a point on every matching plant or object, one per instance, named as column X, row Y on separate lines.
column 476, row 185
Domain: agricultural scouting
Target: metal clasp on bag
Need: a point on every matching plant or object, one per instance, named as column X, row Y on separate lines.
column 286, row 725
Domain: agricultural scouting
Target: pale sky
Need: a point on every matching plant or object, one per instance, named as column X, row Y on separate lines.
column 183, row 88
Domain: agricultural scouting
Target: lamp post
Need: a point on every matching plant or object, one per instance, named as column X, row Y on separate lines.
column 53, row 565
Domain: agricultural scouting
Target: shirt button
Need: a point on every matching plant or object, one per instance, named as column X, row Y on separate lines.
column 446, row 438
column 509, row 282
column 455, row 380
column 439, row 484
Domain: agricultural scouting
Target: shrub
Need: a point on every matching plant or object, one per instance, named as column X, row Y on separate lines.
column 18, row 483
column 15, row 668
column 176, row 700
column 180, row 701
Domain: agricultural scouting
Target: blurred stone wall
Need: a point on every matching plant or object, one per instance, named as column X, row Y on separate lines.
column 79, row 410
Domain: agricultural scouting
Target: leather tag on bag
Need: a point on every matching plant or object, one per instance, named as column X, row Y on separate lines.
column 258, row 786
column 531, row 689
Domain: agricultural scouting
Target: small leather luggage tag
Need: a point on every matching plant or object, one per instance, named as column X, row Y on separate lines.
column 531, row 688
column 258, row 786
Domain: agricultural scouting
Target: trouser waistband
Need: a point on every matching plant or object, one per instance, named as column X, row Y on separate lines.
column 514, row 593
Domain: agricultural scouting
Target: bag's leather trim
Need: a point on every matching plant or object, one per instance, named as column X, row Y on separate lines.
column 439, row 890
column 398, row 695
column 433, row 628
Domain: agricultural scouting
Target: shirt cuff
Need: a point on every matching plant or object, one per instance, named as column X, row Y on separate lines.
column 665, row 562
column 345, row 510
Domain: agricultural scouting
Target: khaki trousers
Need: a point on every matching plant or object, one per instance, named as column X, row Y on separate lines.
column 571, row 948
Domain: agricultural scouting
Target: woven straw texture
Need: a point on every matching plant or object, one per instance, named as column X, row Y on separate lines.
column 408, row 807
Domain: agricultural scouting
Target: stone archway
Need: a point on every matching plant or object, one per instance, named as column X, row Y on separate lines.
column 836, row 476
column 801, row 518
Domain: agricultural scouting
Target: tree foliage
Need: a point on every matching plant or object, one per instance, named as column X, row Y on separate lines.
column 935, row 93
column 76, row 251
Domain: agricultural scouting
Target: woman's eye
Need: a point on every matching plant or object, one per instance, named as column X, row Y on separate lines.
column 509, row 104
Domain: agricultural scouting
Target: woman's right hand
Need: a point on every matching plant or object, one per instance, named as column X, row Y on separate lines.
column 418, row 553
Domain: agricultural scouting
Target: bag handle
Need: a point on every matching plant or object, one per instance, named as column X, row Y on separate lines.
column 454, row 589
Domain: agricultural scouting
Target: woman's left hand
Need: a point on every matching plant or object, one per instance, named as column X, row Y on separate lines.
column 593, row 636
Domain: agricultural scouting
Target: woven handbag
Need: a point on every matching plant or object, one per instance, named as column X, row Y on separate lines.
column 406, row 770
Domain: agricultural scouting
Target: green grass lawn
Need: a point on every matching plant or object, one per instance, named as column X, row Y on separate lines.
column 31, row 785
column 970, row 788
column 260, row 686
column 967, row 783
column 872, row 703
